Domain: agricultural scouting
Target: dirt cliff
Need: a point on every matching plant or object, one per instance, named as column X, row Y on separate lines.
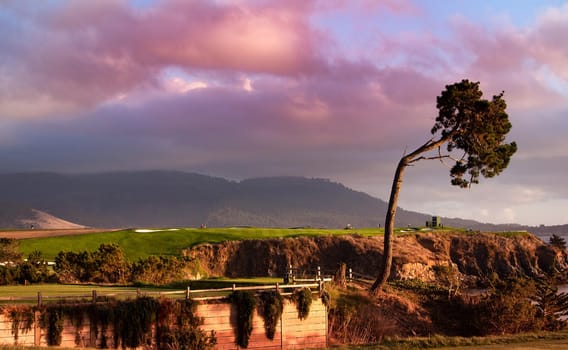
column 475, row 256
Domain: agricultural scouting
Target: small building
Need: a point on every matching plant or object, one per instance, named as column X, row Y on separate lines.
column 435, row 222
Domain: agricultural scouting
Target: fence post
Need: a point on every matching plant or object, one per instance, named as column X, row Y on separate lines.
column 277, row 288
column 318, row 278
column 93, row 331
column 234, row 286
column 37, row 328
column 39, row 299
column 350, row 275
column 187, row 293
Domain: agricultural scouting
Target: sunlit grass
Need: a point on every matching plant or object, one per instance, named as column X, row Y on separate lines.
column 167, row 242
column 171, row 241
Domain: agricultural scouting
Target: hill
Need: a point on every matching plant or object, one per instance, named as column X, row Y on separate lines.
column 22, row 217
column 174, row 199
column 180, row 199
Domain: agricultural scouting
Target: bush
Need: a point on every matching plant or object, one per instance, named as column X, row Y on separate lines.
column 507, row 309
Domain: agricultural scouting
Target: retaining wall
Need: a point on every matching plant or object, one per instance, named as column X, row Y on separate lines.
column 291, row 332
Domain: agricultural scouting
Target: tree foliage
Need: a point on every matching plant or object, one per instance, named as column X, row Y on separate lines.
column 107, row 264
column 552, row 306
column 10, row 251
column 473, row 131
column 557, row 241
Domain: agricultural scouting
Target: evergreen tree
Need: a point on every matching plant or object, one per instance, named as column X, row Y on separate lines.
column 557, row 241
column 473, row 131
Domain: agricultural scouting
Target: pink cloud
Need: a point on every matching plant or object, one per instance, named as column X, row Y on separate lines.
column 548, row 39
column 82, row 53
column 508, row 59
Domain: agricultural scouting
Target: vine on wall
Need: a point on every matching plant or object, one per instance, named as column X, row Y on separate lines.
column 178, row 327
column 270, row 308
column 245, row 303
column 22, row 318
column 176, row 322
column 52, row 320
column 303, row 299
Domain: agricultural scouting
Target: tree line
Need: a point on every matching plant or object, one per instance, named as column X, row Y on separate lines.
column 107, row 264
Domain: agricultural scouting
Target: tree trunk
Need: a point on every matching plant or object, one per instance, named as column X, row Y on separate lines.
column 385, row 268
column 410, row 158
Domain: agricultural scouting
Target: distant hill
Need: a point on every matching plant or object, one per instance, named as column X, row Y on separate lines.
column 21, row 217
column 169, row 199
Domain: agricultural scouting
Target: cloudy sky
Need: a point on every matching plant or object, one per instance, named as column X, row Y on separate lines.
column 335, row 89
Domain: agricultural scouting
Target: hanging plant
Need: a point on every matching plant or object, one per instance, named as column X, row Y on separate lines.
column 303, row 299
column 101, row 315
column 52, row 320
column 75, row 312
column 245, row 303
column 270, row 308
column 133, row 321
column 178, row 327
column 22, row 318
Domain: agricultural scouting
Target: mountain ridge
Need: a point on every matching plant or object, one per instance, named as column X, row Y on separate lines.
column 174, row 198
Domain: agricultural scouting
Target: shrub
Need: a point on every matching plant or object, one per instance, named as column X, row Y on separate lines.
column 507, row 309
column 551, row 305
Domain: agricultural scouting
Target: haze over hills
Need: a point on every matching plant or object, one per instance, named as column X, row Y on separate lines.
column 169, row 199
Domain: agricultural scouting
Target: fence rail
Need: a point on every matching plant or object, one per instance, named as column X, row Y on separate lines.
column 291, row 281
column 197, row 294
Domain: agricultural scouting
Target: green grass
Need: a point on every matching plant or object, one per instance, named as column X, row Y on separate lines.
column 140, row 245
column 63, row 290
column 169, row 242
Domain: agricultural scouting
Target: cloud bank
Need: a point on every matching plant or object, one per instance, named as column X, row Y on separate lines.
column 334, row 89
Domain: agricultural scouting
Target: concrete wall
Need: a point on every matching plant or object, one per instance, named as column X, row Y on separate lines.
column 291, row 332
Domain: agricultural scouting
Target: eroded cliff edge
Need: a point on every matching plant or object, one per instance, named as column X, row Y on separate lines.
column 476, row 256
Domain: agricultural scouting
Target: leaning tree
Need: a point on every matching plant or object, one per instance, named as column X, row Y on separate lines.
column 473, row 131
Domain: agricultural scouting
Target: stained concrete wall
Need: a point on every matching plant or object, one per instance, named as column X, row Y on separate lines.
column 291, row 332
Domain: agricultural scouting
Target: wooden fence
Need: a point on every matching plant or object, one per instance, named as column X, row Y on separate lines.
column 218, row 315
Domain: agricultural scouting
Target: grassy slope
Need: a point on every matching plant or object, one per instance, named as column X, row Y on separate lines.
column 169, row 242
column 140, row 245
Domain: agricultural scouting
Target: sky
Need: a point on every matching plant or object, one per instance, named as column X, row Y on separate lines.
column 335, row 89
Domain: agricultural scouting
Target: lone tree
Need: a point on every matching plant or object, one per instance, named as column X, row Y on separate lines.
column 557, row 241
column 474, row 131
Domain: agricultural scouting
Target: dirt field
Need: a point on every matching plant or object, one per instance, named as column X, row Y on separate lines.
column 23, row 234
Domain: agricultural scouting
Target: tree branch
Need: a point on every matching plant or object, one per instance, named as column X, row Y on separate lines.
column 440, row 157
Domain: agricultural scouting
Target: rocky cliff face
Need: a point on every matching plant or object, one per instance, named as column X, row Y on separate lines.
column 475, row 256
